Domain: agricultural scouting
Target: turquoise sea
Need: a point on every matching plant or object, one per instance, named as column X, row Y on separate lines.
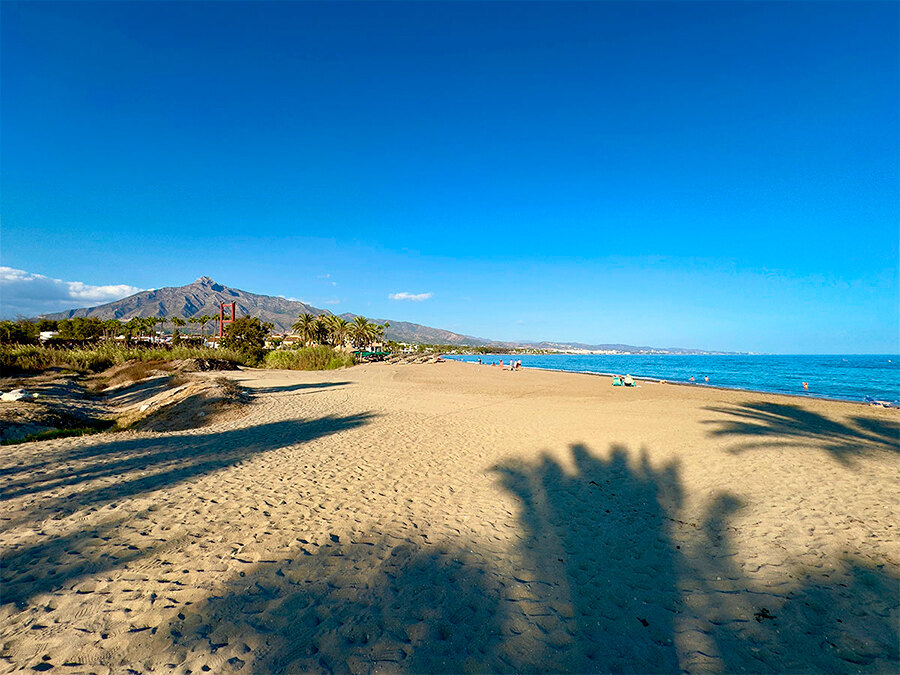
column 850, row 378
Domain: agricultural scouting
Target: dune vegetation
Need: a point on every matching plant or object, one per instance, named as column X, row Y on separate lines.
column 33, row 358
column 319, row 357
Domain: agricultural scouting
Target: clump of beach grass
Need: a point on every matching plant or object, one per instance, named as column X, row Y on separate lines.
column 309, row 358
column 94, row 427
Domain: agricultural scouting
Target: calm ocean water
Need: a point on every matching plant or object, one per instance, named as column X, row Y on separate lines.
column 845, row 377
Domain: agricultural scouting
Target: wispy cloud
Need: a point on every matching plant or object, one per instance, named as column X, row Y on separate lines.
column 331, row 301
column 327, row 277
column 28, row 294
column 415, row 297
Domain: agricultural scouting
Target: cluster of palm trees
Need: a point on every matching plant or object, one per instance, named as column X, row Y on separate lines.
column 336, row 331
column 147, row 325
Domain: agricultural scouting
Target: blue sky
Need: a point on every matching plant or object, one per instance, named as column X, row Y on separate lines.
column 710, row 175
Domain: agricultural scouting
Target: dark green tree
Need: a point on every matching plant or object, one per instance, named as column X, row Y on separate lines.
column 80, row 328
column 248, row 336
column 46, row 325
column 18, row 332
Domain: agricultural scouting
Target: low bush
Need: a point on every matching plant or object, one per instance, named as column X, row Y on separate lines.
column 309, row 358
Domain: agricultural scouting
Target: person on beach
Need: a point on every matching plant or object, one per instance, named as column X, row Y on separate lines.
column 692, row 378
column 706, row 378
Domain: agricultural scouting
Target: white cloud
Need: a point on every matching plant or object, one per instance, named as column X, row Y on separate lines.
column 332, row 301
column 26, row 294
column 415, row 297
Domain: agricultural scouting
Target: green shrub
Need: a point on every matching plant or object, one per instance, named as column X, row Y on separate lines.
column 247, row 335
column 309, row 358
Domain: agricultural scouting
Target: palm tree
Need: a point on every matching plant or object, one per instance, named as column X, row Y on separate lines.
column 205, row 319
column 178, row 322
column 304, row 327
column 111, row 328
column 134, row 326
column 327, row 322
column 339, row 330
column 379, row 330
column 149, row 323
column 193, row 321
column 361, row 332
column 321, row 330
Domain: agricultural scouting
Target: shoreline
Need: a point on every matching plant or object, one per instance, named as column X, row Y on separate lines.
column 704, row 385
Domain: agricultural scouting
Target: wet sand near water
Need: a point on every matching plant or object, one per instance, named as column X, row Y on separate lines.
column 458, row 518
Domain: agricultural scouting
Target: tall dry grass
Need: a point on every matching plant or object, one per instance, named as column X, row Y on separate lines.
column 308, row 358
column 31, row 359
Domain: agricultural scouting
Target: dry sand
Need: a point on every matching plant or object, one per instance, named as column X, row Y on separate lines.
column 453, row 517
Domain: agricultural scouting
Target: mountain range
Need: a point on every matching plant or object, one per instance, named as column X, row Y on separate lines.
column 204, row 295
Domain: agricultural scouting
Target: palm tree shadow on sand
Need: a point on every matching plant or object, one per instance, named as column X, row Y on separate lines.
column 840, row 615
column 762, row 424
column 127, row 467
column 374, row 603
column 117, row 470
column 651, row 592
column 597, row 539
column 607, row 578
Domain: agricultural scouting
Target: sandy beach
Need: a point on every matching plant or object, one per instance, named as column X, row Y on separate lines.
column 458, row 518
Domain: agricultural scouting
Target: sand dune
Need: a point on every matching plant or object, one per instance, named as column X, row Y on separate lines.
column 456, row 518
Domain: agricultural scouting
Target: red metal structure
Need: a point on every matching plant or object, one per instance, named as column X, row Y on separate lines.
column 222, row 319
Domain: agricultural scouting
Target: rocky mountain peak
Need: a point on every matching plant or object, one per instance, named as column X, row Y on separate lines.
column 204, row 296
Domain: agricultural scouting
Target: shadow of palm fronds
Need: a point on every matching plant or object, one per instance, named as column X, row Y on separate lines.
column 764, row 424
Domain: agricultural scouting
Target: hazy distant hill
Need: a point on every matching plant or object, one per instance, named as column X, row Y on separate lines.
column 627, row 349
column 204, row 295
